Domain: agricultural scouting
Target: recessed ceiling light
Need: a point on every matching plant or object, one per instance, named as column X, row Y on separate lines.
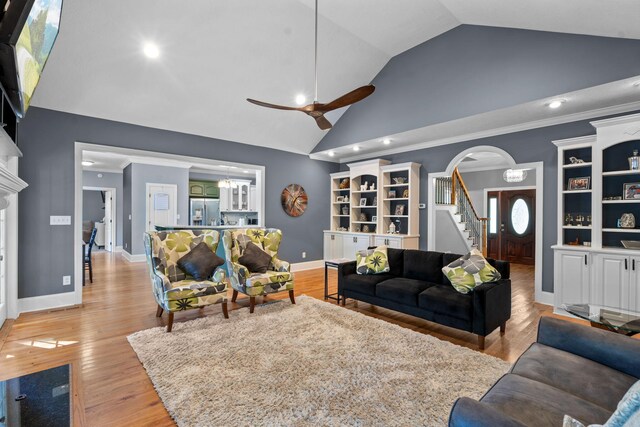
column 356, row 148
column 386, row 141
column 331, row 153
column 556, row 103
column 245, row 171
column 301, row 99
column 233, row 167
column 151, row 50
column 87, row 163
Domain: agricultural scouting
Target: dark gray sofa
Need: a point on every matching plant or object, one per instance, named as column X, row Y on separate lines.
column 415, row 285
column 572, row 369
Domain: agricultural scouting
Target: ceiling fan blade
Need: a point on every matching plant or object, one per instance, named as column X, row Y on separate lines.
column 266, row 104
column 349, row 98
column 323, row 123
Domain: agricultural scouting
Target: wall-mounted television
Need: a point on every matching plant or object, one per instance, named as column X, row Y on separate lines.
column 28, row 31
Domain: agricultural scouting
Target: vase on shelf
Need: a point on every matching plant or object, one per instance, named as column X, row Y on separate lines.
column 627, row 220
column 634, row 161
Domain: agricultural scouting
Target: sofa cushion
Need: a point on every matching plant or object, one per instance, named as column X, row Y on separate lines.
column 443, row 299
column 469, row 271
column 372, row 261
column 582, row 377
column 200, row 262
column 502, row 266
column 364, row 284
column 255, row 259
column 396, row 261
column 537, row 404
column 402, row 290
column 423, row 265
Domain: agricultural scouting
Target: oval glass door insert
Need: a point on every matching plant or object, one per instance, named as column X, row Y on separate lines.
column 520, row 216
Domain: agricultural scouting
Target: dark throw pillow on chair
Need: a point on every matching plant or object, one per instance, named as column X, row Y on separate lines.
column 255, row 259
column 200, row 262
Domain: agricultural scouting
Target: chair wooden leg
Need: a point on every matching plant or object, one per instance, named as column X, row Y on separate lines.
column 170, row 322
column 252, row 304
column 224, row 310
column 481, row 342
column 90, row 272
column 292, row 297
column 234, row 296
column 159, row 311
column 503, row 328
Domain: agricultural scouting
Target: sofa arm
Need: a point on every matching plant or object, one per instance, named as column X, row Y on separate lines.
column 491, row 306
column 345, row 269
column 614, row 350
column 467, row 412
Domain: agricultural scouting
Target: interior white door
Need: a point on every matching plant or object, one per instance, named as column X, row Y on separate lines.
column 108, row 220
column 3, row 280
column 161, row 205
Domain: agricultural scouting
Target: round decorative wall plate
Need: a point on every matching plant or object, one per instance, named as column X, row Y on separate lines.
column 294, row 200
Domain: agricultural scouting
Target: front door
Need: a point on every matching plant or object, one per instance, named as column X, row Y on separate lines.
column 511, row 230
column 161, row 205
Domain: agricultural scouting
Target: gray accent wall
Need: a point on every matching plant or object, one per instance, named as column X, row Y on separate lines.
column 92, row 206
column 47, row 141
column 474, row 69
column 109, row 180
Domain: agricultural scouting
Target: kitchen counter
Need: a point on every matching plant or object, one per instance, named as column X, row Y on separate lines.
column 202, row 227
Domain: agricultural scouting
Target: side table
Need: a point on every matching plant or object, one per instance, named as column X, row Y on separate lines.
column 332, row 263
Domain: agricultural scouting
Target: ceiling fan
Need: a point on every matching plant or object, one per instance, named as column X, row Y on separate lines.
column 317, row 109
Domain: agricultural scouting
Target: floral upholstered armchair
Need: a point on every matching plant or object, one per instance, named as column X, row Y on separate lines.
column 277, row 278
column 173, row 289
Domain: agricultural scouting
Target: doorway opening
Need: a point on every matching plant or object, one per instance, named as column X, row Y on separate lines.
column 99, row 212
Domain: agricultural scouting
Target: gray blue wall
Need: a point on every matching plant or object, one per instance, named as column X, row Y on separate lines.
column 47, row 140
column 109, row 180
column 92, row 206
column 474, row 69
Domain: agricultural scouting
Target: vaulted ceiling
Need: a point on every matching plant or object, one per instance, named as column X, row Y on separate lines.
column 214, row 54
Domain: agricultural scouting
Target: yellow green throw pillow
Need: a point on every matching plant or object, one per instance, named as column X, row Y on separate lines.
column 469, row 271
column 372, row 261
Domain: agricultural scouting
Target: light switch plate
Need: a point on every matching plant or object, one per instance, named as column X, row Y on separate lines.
column 60, row 220
column 66, row 280
column 422, row 205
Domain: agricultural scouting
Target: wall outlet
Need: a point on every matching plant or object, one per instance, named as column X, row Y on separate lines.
column 304, row 255
column 129, row 217
column 66, row 280
column 60, row 220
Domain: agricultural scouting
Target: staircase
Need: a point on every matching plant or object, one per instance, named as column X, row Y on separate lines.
column 451, row 195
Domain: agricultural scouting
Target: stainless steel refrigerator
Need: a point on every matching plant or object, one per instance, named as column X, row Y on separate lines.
column 204, row 211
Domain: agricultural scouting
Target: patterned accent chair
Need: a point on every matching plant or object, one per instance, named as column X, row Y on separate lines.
column 173, row 289
column 278, row 277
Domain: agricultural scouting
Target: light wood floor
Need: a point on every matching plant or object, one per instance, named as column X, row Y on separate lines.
column 110, row 385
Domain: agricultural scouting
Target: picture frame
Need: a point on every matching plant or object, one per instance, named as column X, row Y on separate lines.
column 340, row 199
column 579, row 183
column 399, row 209
column 631, row 191
column 363, row 201
column 392, row 194
column 374, row 218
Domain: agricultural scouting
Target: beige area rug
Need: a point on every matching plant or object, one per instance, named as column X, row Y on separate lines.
column 308, row 364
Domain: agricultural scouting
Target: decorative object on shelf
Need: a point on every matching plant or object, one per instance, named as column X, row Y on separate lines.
column 342, row 228
column 400, row 209
column 588, row 220
column 392, row 228
column 514, row 175
column 363, row 201
column 405, row 193
column 634, row 161
column 362, row 216
column 375, row 201
column 579, row 220
column 392, row 194
column 399, row 180
column 356, row 228
column 374, row 218
column 340, row 199
column 397, row 226
column 344, row 184
column 627, row 220
column 631, row 191
column 294, row 200
column 364, row 186
column 373, row 186
column 630, row 244
column 568, row 219
column 365, row 228
column 346, row 199
column 585, row 243
column 574, row 242
column 345, row 210
column 575, row 160
column 580, row 183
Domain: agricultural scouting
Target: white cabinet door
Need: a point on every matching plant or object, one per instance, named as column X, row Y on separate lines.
column 392, row 242
column 611, row 283
column 253, row 203
column 572, row 277
column 332, row 245
column 634, row 285
column 351, row 243
column 224, row 199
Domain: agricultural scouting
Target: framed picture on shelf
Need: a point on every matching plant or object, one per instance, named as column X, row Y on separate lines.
column 631, row 191
column 340, row 199
column 392, row 194
column 363, row 202
column 374, row 218
column 581, row 183
column 400, row 210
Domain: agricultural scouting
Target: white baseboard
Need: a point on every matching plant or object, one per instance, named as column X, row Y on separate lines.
column 133, row 258
column 545, row 298
column 117, row 249
column 308, row 265
column 47, row 302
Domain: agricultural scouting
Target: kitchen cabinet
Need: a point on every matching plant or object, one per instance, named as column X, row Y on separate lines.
column 611, row 285
column 204, row 189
